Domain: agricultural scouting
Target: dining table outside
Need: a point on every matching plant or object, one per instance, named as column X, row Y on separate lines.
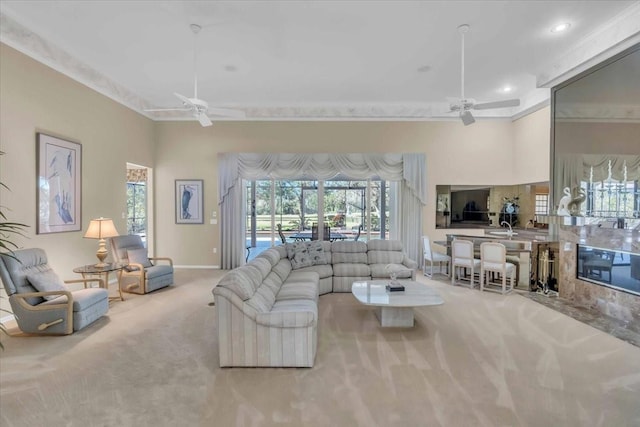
column 306, row 235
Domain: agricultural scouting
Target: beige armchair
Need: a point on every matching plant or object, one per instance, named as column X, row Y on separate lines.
column 142, row 274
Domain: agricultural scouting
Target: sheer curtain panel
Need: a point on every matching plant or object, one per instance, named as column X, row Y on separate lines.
column 406, row 168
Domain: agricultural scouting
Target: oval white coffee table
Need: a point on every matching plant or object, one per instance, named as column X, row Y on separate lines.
column 395, row 309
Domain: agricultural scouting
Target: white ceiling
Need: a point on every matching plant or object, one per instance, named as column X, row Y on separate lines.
column 320, row 59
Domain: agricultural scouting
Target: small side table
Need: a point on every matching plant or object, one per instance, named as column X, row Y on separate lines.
column 103, row 273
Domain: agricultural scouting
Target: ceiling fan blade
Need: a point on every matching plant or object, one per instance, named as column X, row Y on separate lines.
column 227, row 112
column 497, row 104
column 467, row 117
column 204, row 120
column 167, row 109
column 186, row 101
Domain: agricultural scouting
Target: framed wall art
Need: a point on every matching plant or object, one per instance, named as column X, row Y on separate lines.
column 189, row 203
column 59, row 181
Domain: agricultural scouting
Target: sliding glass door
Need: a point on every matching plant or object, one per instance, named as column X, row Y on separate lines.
column 351, row 209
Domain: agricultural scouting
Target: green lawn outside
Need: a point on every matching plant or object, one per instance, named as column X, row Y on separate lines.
column 292, row 222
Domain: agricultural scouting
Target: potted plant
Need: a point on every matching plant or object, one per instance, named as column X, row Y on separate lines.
column 8, row 231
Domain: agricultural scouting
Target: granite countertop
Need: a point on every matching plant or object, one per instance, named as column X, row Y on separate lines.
column 530, row 234
column 519, row 234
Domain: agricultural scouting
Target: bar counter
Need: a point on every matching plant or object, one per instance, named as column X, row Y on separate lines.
column 523, row 247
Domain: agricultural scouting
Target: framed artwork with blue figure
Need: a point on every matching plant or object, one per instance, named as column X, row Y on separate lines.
column 189, row 203
column 59, row 195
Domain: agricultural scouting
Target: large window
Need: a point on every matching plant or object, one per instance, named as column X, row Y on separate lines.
column 297, row 205
column 611, row 199
column 136, row 208
column 388, row 211
column 542, row 204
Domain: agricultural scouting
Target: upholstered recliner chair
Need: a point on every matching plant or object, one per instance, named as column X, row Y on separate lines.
column 143, row 274
column 41, row 302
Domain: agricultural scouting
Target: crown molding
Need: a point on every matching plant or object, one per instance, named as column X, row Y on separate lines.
column 597, row 112
column 620, row 33
column 19, row 37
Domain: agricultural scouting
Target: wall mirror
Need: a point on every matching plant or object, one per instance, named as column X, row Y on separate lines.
column 596, row 143
column 479, row 206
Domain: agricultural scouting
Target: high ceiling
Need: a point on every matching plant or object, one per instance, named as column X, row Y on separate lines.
column 319, row 59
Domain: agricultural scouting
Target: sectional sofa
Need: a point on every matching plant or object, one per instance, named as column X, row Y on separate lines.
column 267, row 310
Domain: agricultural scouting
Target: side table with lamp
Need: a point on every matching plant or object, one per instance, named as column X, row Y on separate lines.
column 101, row 229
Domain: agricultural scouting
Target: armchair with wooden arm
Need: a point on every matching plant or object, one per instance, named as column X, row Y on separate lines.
column 50, row 312
column 143, row 274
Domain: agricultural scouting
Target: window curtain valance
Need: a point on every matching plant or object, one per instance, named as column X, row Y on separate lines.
column 409, row 167
column 408, row 170
column 571, row 169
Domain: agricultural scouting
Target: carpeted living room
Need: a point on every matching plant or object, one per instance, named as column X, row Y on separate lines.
column 263, row 213
column 478, row 359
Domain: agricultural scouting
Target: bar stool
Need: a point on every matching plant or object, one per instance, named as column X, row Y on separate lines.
column 462, row 257
column 433, row 258
column 493, row 258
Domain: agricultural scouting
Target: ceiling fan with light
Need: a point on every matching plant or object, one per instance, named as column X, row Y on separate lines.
column 197, row 107
column 462, row 105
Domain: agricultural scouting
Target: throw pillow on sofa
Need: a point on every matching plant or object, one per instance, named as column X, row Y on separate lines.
column 298, row 254
column 316, row 252
column 305, row 254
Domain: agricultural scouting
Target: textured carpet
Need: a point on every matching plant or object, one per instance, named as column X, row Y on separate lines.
column 481, row 359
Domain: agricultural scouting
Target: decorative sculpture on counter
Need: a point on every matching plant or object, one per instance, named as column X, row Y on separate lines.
column 579, row 196
column 570, row 204
column 563, row 206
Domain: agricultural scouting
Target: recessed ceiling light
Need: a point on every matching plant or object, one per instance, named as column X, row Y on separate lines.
column 507, row 89
column 559, row 28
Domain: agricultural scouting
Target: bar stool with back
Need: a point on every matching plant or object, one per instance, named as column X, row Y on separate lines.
column 433, row 258
column 493, row 258
column 462, row 257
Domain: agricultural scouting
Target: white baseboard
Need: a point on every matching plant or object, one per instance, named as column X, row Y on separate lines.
column 201, row 267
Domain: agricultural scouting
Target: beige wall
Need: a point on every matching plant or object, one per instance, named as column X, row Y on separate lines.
column 35, row 98
column 451, row 149
column 531, row 147
column 456, row 154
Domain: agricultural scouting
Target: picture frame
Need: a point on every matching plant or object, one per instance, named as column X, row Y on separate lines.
column 189, row 201
column 59, row 184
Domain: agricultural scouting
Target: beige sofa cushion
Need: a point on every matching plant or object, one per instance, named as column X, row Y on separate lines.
column 243, row 281
column 298, row 313
column 384, row 245
column 323, row 271
column 262, row 300
column 385, row 257
column 351, row 270
column 283, row 268
column 298, row 290
column 349, row 247
column 263, row 265
column 272, row 255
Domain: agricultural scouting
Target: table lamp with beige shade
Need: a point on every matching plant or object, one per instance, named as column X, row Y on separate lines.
column 101, row 228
